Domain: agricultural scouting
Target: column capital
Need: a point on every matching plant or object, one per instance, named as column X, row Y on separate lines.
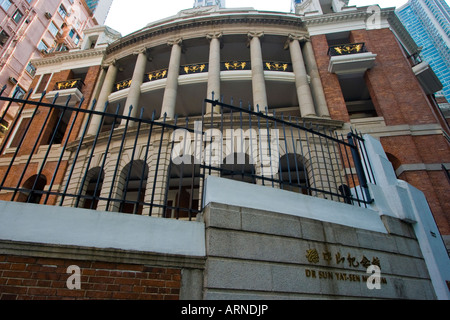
column 178, row 41
column 299, row 37
column 113, row 63
column 145, row 51
column 253, row 34
column 296, row 37
column 215, row 35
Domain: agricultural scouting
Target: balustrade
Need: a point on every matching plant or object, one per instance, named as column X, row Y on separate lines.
column 69, row 84
column 204, row 67
column 349, row 48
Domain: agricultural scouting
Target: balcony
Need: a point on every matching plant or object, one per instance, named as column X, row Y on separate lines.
column 125, row 84
column 351, row 58
column 69, row 84
column 278, row 66
column 204, row 68
column 346, row 49
column 427, row 78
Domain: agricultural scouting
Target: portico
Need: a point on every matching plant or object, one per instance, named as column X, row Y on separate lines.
column 269, row 68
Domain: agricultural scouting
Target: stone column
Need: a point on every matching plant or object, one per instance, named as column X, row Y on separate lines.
column 316, row 83
column 107, row 88
column 170, row 93
column 304, row 95
column 213, row 70
column 258, row 81
column 135, row 88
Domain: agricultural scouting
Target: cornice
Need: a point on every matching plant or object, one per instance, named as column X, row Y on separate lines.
column 208, row 21
column 339, row 17
column 60, row 57
column 110, row 255
column 403, row 34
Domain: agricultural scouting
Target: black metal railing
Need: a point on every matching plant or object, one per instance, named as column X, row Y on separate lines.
column 194, row 68
column 204, row 67
column 144, row 165
column 124, row 84
column 287, row 153
column 69, row 84
column 345, row 49
column 278, row 66
column 235, row 65
column 156, row 75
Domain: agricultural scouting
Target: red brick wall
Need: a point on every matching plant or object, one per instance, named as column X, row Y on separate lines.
column 435, row 187
column 394, row 89
column 392, row 83
column 399, row 99
column 44, row 278
column 36, row 126
column 426, row 149
column 330, row 82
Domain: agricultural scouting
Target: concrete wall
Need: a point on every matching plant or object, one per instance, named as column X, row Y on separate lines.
column 269, row 243
column 257, row 254
column 88, row 228
column 120, row 256
column 251, row 242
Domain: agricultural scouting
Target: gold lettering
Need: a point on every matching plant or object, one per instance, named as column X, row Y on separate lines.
column 325, row 275
column 310, row 273
column 312, row 255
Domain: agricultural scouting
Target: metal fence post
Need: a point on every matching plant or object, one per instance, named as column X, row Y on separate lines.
column 359, row 167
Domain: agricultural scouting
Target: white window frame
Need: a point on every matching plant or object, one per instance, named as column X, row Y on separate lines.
column 53, row 29
column 5, row 4
column 25, row 115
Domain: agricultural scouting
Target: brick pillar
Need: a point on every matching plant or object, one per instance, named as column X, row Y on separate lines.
column 330, row 82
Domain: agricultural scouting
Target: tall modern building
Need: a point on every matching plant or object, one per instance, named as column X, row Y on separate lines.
column 428, row 22
column 100, row 9
column 204, row 3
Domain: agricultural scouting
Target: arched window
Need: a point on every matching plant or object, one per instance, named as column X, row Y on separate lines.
column 133, row 178
column 292, row 174
column 92, row 189
column 237, row 167
column 183, row 196
column 32, row 189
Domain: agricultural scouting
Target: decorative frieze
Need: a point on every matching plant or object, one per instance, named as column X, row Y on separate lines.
column 349, row 48
column 156, row 75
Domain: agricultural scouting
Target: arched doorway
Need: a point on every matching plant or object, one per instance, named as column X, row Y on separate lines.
column 92, row 189
column 32, row 189
column 293, row 175
column 183, row 196
column 133, row 178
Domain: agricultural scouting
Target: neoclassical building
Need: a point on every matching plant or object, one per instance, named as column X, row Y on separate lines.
column 137, row 124
column 353, row 68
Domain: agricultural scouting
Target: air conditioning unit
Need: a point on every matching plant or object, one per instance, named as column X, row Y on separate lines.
column 13, row 80
column 48, row 15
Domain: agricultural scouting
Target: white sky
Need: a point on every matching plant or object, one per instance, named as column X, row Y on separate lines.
column 127, row 16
